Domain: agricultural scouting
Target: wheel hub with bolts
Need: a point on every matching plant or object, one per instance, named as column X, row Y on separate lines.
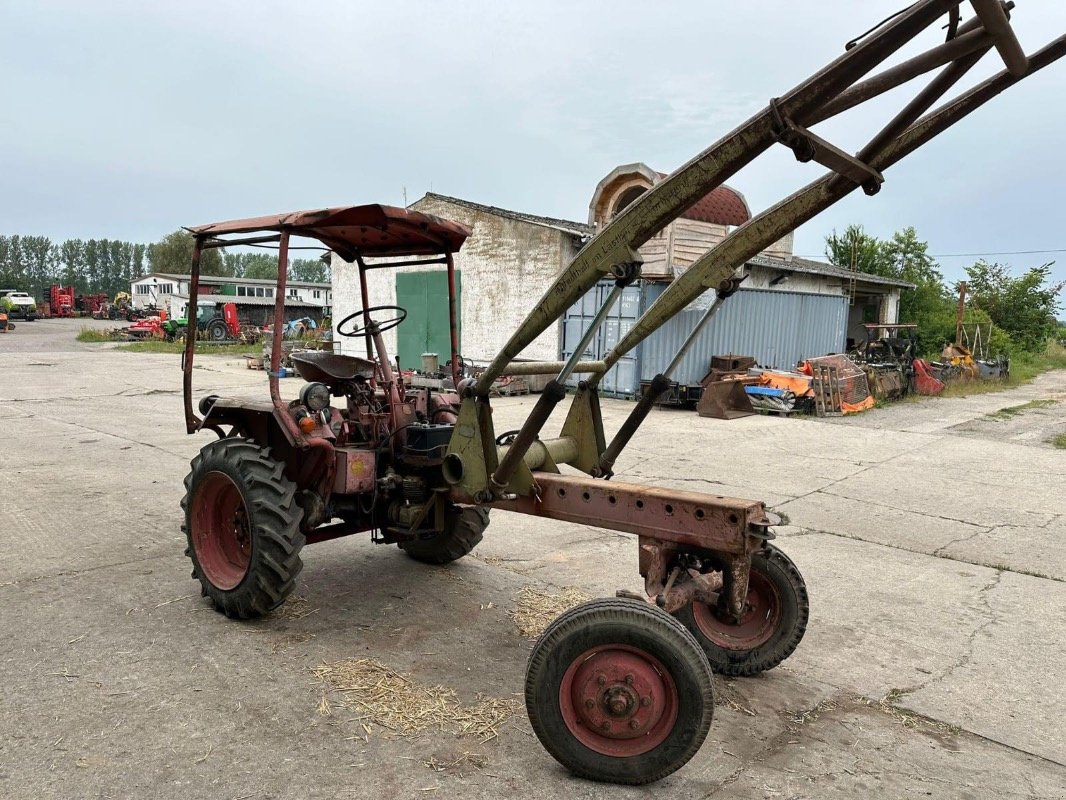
column 618, row 700
column 757, row 624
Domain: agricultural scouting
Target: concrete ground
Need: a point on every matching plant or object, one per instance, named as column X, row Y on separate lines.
column 932, row 536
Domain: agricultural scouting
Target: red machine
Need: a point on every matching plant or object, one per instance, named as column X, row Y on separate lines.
column 90, row 303
column 61, row 300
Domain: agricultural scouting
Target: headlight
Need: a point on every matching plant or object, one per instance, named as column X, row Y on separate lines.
column 315, row 396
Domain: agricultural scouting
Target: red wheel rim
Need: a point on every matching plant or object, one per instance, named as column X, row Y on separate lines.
column 221, row 533
column 762, row 613
column 618, row 700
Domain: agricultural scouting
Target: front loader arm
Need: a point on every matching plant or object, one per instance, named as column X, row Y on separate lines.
column 836, row 88
column 617, row 242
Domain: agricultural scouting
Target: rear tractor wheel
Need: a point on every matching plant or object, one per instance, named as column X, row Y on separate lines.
column 618, row 691
column 463, row 528
column 242, row 524
column 217, row 331
column 769, row 630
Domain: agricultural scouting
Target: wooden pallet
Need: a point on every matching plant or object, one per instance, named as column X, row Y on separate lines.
column 254, row 362
column 827, row 396
column 510, row 386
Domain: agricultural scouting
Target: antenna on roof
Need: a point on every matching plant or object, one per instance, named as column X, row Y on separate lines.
column 405, row 197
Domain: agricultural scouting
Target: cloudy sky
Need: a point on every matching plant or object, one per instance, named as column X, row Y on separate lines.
column 127, row 119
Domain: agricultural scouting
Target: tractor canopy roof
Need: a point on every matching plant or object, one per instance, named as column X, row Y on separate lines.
column 371, row 230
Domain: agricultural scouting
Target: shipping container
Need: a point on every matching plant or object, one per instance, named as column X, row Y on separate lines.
column 777, row 328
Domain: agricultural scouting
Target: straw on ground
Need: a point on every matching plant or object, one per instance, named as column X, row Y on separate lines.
column 383, row 697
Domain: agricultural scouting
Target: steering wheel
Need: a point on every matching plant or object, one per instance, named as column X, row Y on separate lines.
column 358, row 329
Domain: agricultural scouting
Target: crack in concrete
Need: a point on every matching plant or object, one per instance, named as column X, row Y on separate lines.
column 967, row 656
column 102, row 432
column 957, row 560
column 788, row 735
column 70, row 573
column 857, row 473
column 939, row 552
column 900, row 509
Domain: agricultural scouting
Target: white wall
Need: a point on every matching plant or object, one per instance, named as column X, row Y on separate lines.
column 506, row 266
column 760, row 277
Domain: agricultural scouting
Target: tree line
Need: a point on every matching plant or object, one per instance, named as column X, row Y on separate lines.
column 33, row 263
column 1016, row 312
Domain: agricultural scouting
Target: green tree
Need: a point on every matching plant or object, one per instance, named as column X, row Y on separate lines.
column 173, row 254
column 909, row 260
column 72, row 261
column 251, row 265
column 904, row 257
column 857, row 249
column 1023, row 306
column 309, row 269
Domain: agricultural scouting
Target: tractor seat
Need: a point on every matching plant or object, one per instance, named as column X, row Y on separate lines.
column 319, row 365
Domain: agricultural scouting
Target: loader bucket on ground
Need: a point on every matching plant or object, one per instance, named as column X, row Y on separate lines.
column 724, row 400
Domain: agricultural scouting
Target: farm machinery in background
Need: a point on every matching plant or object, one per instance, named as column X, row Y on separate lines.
column 617, row 689
column 18, row 305
column 61, row 301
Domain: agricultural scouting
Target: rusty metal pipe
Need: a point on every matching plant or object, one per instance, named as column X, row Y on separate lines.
column 561, row 450
column 453, row 320
column 936, row 89
column 546, row 403
column 275, row 344
column 192, row 422
column 551, row 367
column 364, row 293
column 957, row 48
column 996, row 22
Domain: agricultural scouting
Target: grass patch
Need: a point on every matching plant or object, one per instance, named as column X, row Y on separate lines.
column 1012, row 411
column 161, row 346
column 1058, row 441
column 94, row 335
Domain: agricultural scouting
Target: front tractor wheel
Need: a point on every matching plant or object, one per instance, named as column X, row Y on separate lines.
column 242, row 524
column 463, row 528
column 769, row 630
column 619, row 691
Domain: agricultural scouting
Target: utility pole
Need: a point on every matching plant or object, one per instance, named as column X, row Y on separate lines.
column 959, row 314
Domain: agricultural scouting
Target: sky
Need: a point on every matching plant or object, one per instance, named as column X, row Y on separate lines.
column 126, row 120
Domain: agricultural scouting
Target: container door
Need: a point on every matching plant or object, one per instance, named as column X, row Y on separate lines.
column 622, row 380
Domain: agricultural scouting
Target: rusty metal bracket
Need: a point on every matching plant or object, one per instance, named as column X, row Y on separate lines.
column 808, row 146
column 697, row 521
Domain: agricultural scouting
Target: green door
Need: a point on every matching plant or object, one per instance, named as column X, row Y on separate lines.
column 426, row 330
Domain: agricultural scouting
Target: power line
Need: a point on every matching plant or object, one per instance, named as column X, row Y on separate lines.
column 974, row 255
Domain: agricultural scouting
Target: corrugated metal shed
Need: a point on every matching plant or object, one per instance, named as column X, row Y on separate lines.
column 778, row 328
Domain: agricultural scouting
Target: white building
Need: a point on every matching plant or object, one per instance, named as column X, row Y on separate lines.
column 253, row 296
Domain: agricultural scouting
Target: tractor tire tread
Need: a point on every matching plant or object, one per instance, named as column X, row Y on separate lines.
column 270, row 499
column 464, row 529
column 769, row 655
column 637, row 618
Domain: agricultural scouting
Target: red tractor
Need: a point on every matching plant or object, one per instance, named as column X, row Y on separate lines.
column 617, row 689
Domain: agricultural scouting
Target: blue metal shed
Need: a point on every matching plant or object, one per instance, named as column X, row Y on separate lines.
column 778, row 328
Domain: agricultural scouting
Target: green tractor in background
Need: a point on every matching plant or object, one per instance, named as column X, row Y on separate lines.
column 214, row 322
